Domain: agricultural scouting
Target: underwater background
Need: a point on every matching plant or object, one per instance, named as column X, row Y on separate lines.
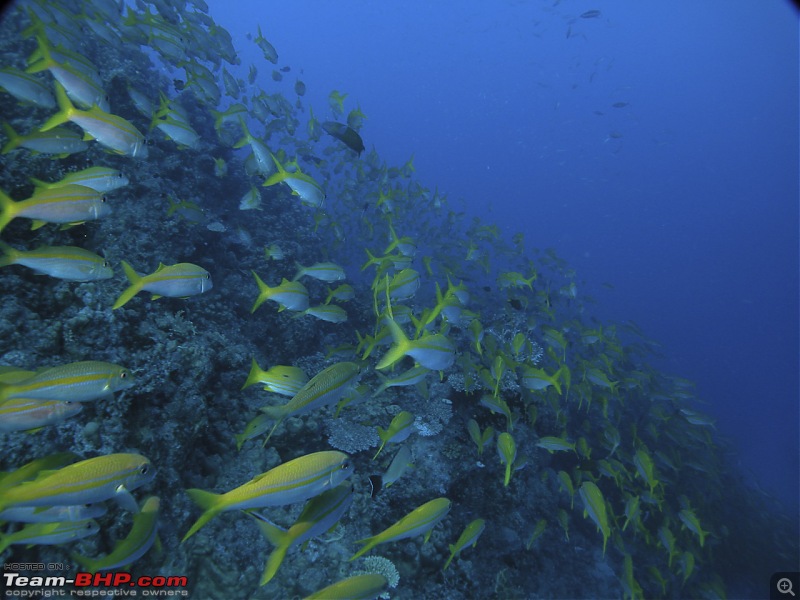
column 583, row 218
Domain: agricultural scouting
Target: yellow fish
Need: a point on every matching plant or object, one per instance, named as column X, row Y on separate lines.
column 173, row 281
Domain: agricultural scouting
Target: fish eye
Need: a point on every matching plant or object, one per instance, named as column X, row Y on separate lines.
column 106, row 263
column 144, row 469
column 103, row 199
column 123, row 375
column 208, row 276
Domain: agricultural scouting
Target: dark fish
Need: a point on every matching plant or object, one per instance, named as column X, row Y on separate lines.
column 515, row 303
column 345, row 134
column 590, row 14
column 619, row 104
column 299, row 88
column 179, row 84
column 277, row 76
column 286, row 69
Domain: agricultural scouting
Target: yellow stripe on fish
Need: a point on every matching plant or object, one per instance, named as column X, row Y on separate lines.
column 141, row 537
column 172, row 281
column 67, row 204
column 76, row 382
column 92, row 480
column 419, row 521
column 62, row 262
column 324, row 389
column 294, row 481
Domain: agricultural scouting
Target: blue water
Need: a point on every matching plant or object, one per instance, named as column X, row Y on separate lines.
column 685, row 200
column 652, row 147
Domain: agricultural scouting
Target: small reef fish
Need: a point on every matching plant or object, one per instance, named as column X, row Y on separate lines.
column 100, row 179
column 278, row 379
column 50, row 533
column 469, row 537
column 419, row 521
column 25, row 414
column 66, row 204
column 434, row 352
column 319, row 515
column 358, row 587
column 302, row 185
column 324, row 389
column 141, row 537
column 82, row 381
column 62, row 262
column 325, row 271
column 54, row 514
column 172, row 281
column 345, row 134
column 294, row 481
column 399, row 429
column 59, row 141
column 115, row 133
column 91, row 480
column 291, row 295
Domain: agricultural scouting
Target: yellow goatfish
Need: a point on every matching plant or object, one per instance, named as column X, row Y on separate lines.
column 23, row 414
column 291, row 295
column 419, row 521
column 82, row 381
column 294, row 481
column 62, row 262
column 115, row 133
column 469, row 537
column 325, row 388
column 279, row 379
column 68, row 204
column 358, row 587
column 141, row 537
column 319, row 515
column 50, row 533
column 92, row 480
column 173, row 281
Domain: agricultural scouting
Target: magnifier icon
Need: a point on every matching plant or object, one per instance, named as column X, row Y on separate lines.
column 785, row 586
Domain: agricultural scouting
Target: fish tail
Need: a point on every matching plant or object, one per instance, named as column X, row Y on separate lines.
column 9, row 254
column 240, row 438
column 273, row 563
column 211, row 505
column 400, row 348
column 7, row 210
column 369, row 545
column 246, row 137
column 46, row 60
column 66, row 109
column 254, row 376
column 452, row 556
column 299, row 273
column 135, row 287
column 14, row 139
column 263, row 292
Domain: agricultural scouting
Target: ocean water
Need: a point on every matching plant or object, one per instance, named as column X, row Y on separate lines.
column 647, row 155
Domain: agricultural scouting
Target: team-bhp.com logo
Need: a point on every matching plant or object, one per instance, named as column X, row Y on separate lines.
column 93, row 585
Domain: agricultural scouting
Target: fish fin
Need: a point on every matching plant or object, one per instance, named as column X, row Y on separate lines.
column 135, row 287
column 211, row 505
column 400, row 348
column 66, row 110
column 8, row 253
column 254, row 376
column 369, row 544
column 14, row 139
column 126, row 500
column 155, row 297
column 263, row 292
